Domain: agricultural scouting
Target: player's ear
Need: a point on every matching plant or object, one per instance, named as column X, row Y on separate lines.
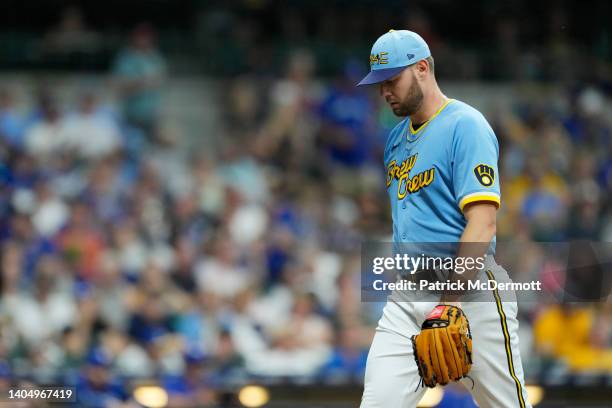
column 422, row 69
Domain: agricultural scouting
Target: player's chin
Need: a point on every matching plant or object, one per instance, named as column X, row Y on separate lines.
column 398, row 111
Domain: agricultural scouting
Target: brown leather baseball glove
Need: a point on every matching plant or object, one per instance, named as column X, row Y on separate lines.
column 443, row 349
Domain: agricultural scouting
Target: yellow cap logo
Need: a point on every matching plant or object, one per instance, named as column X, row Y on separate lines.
column 380, row 58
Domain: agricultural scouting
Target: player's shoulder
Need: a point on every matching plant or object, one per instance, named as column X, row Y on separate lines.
column 469, row 122
column 463, row 114
column 395, row 137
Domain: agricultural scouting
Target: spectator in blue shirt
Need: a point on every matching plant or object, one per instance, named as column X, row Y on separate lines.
column 348, row 360
column 347, row 123
column 12, row 125
column 97, row 387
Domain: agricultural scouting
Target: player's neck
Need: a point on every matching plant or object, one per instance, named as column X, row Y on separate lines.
column 432, row 102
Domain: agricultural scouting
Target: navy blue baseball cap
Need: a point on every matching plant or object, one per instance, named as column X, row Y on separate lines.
column 98, row 358
column 392, row 53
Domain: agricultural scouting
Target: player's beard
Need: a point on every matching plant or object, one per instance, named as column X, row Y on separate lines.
column 412, row 101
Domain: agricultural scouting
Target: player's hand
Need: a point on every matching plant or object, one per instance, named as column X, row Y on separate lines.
column 443, row 349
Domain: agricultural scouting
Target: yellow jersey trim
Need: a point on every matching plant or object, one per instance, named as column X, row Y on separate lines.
column 424, row 125
column 484, row 196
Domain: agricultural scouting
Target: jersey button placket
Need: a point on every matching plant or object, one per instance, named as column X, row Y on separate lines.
column 404, row 235
column 404, row 205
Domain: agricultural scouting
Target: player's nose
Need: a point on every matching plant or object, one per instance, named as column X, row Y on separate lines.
column 385, row 90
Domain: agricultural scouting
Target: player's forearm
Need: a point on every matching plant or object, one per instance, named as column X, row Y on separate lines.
column 479, row 230
column 474, row 244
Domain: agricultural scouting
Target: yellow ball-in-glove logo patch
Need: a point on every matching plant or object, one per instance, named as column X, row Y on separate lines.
column 484, row 174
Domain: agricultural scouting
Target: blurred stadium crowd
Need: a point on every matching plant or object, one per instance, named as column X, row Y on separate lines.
column 125, row 258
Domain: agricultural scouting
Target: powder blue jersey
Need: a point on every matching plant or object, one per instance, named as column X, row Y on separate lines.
column 435, row 171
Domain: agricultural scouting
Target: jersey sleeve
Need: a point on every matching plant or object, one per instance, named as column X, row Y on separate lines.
column 475, row 153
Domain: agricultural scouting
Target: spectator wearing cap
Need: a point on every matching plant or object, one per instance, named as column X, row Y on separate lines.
column 193, row 387
column 97, row 386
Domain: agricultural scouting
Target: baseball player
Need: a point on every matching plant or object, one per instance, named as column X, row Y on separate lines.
column 443, row 183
